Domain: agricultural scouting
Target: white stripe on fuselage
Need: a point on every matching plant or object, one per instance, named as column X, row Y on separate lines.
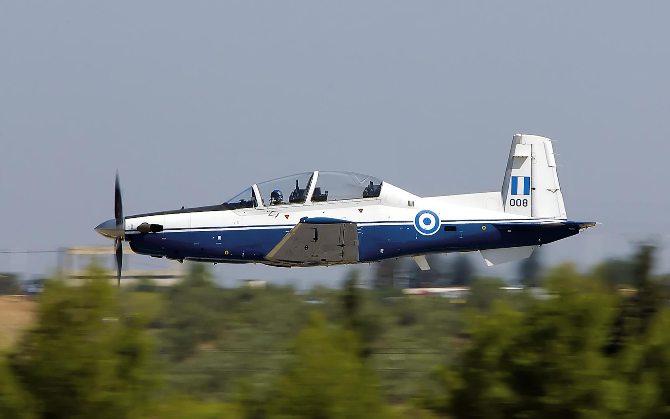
column 287, row 216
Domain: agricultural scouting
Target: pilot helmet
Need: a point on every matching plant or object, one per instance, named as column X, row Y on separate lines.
column 276, row 197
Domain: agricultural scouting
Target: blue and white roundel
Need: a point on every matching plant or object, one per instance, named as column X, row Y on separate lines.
column 426, row 222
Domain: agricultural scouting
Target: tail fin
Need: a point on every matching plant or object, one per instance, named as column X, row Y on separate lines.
column 531, row 185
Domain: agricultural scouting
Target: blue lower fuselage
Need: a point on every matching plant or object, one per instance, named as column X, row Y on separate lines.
column 376, row 241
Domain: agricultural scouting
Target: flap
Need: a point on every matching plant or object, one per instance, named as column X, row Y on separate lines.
column 318, row 244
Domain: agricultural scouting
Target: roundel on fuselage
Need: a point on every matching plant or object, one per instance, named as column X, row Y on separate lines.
column 427, row 222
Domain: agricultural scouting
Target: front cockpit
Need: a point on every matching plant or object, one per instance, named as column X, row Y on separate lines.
column 244, row 199
column 307, row 188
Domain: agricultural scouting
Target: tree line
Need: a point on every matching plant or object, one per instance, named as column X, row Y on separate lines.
column 594, row 344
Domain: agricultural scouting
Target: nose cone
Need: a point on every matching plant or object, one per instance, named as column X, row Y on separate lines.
column 110, row 229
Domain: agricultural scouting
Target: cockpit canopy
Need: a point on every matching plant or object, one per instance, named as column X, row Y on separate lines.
column 310, row 186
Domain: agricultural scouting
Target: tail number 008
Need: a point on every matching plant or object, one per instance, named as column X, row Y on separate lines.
column 518, row 202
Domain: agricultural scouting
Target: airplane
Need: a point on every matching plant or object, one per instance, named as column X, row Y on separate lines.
column 332, row 218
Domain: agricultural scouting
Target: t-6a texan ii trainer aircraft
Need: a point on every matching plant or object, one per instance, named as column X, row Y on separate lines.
column 330, row 218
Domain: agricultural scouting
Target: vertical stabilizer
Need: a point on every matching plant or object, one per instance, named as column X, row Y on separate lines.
column 531, row 185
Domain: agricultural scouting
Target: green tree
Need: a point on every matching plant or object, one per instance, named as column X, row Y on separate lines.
column 85, row 357
column 637, row 312
column 557, row 368
column 647, row 300
column 484, row 292
column 546, row 361
column 326, row 378
column 192, row 313
column 356, row 315
column 14, row 402
column 616, row 273
column 641, row 374
column 478, row 386
column 180, row 407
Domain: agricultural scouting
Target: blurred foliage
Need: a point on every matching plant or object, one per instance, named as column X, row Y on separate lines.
column 585, row 345
column 180, row 407
column 552, row 357
column 14, row 401
column 192, row 315
column 326, row 377
column 484, row 292
column 85, row 357
column 358, row 317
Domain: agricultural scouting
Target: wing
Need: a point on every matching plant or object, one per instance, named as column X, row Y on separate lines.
column 317, row 241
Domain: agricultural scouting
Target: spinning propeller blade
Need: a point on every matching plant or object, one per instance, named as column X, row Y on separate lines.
column 118, row 203
column 118, row 245
column 120, row 225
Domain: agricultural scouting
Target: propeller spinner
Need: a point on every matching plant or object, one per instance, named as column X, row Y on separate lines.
column 115, row 229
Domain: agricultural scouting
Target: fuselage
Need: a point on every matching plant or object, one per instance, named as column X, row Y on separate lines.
column 394, row 224
column 326, row 218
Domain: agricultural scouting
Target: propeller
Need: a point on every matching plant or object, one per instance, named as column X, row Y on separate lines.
column 115, row 229
column 120, row 226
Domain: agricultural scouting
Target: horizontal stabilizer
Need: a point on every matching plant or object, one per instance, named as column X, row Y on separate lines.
column 498, row 256
column 583, row 225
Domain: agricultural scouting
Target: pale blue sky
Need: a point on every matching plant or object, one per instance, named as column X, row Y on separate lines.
column 193, row 101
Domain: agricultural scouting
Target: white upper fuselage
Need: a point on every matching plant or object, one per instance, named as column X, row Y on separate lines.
column 392, row 205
